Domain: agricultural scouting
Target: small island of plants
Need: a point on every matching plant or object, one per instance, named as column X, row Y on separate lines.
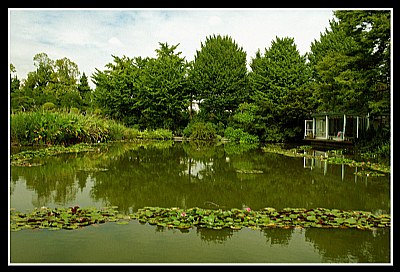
column 179, row 218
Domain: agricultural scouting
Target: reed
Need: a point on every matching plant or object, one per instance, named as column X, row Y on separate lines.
column 65, row 128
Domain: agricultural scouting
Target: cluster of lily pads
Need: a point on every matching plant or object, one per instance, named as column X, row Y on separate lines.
column 266, row 218
column 76, row 217
column 63, row 218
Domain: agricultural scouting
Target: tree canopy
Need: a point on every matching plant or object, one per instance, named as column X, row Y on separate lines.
column 218, row 77
column 351, row 63
column 348, row 69
column 53, row 81
column 279, row 81
column 147, row 92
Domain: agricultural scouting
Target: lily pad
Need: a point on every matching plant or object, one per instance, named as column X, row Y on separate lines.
column 76, row 217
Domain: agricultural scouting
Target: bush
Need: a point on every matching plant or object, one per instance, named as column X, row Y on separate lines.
column 74, row 110
column 200, row 131
column 158, row 134
column 116, row 131
column 131, row 133
column 49, row 106
column 240, row 136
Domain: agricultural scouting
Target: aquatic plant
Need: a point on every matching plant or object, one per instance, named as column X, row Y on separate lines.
column 24, row 158
column 76, row 217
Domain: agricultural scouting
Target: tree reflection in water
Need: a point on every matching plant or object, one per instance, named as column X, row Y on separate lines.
column 197, row 174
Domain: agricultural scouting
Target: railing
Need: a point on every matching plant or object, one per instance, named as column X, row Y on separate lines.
column 309, row 133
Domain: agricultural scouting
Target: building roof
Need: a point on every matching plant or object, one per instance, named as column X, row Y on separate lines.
column 337, row 114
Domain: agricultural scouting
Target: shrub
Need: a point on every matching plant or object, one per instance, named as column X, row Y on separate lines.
column 74, row 110
column 131, row 133
column 158, row 134
column 240, row 136
column 116, row 130
column 201, row 131
column 49, row 106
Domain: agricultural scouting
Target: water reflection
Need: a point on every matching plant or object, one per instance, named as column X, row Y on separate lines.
column 366, row 246
column 135, row 242
column 318, row 164
column 183, row 174
column 215, row 236
column 197, row 174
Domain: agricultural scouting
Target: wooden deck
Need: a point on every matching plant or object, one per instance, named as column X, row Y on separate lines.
column 329, row 144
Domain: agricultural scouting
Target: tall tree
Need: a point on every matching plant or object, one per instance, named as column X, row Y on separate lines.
column 149, row 93
column 85, row 91
column 371, row 30
column 218, row 77
column 164, row 79
column 52, row 81
column 116, row 92
column 279, row 81
column 14, row 81
column 352, row 63
column 44, row 70
column 19, row 101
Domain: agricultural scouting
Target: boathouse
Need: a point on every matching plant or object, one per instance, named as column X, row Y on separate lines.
column 333, row 127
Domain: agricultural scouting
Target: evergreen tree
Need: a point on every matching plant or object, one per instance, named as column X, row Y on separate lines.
column 14, row 81
column 85, row 92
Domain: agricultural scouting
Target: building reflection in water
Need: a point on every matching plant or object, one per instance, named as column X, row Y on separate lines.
column 317, row 160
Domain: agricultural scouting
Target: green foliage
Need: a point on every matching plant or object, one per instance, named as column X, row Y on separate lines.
column 74, row 110
column 56, row 128
column 240, row 136
column 66, row 128
column 83, row 86
column 14, row 81
column 351, row 63
column 200, row 131
column 218, row 77
column 113, row 93
column 150, row 92
column 20, row 102
column 376, row 145
column 348, row 69
column 245, row 113
column 245, row 118
column 85, row 92
column 157, row 134
column 49, row 106
column 177, row 218
column 52, row 81
column 117, row 130
column 279, row 81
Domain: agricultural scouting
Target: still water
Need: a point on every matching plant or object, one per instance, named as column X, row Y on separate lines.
column 175, row 174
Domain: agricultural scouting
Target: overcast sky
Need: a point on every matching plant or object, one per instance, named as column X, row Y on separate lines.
column 89, row 37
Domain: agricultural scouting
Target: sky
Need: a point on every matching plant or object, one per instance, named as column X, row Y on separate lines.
column 90, row 37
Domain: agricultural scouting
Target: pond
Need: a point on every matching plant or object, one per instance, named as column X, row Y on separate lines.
column 131, row 176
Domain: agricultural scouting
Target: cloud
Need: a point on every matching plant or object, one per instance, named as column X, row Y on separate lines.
column 90, row 37
column 114, row 41
column 214, row 20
